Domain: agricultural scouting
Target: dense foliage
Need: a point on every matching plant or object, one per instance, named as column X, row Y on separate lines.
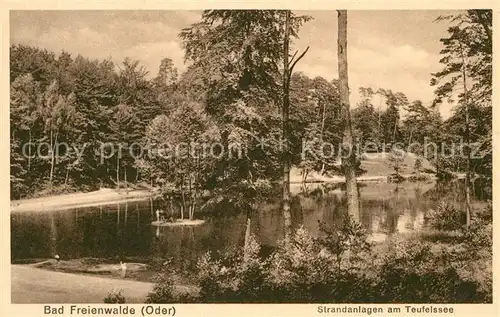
column 342, row 267
column 87, row 112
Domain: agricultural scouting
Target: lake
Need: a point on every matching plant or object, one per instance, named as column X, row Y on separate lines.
column 124, row 231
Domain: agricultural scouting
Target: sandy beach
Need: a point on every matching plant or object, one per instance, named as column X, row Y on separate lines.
column 102, row 196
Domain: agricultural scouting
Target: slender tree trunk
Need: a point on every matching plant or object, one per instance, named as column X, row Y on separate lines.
column 286, row 157
column 151, row 206
column 29, row 150
column 125, row 179
column 194, row 199
column 183, row 197
column 118, row 216
column 118, row 172
column 53, row 158
column 305, row 173
column 247, row 241
column 379, row 114
column 350, row 160
column 126, row 213
column 394, row 131
column 323, row 117
column 67, row 175
column 467, row 146
column 440, row 143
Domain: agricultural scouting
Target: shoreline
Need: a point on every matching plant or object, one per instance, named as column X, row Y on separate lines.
column 341, row 179
column 79, row 200
column 106, row 196
column 33, row 285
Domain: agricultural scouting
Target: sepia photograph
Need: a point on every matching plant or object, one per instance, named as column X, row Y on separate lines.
column 251, row 156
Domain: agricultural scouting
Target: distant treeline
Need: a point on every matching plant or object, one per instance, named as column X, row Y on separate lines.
column 61, row 99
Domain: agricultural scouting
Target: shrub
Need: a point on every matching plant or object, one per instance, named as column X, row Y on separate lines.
column 445, row 217
column 114, row 298
column 298, row 270
column 341, row 266
column 396, row 159
column 412, row 273
column 395, row 178
column 418, row 178
column 47, row 190
column 163, row 291
column 303, row 269
column 418, row 166
column 233, row 276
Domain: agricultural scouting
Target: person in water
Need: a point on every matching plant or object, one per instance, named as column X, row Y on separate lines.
column 123, row 267
column 158, row 215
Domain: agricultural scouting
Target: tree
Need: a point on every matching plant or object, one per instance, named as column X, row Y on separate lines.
column 288, row 66
column 95, row 90
column 125, row 127
column 349, row 155
column 236, row 57
column 315, row 116
column 467, row 59
column 180, row 159
column 390, row 118
column 396, row 158
column 167, row 74
column 365, row 120
column 56, row 112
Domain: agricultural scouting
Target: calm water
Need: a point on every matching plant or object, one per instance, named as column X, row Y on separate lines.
column 124, row 230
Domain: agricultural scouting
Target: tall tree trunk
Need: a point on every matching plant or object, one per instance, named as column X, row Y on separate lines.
column 52, row 158
column 67, row 176
column 286, row 155
column 118, row 217
column 380, row 118
column 323, row 117
column 467, row 145
column 247, row 241
column 125, row 179
column 394, row 130
column 118, row 172
column 151, row 206
column 349, row 161
column 126, row 213
column 29, row 150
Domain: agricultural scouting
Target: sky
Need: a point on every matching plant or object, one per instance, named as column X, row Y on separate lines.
column 395, row 50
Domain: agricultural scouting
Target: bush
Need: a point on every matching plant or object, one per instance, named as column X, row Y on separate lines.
column 114, row 298
column 445, row 217
column 418, row 178
column 303, row 269
column 395, row 178
column 47, row 190
column 233, row 276
column 163, row 291
column 342, row 267
column 412, row 273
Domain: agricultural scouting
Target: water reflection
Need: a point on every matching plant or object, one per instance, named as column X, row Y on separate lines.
column 125, row 231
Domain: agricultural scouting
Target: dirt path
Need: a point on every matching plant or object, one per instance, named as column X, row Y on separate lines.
column 32, row 285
